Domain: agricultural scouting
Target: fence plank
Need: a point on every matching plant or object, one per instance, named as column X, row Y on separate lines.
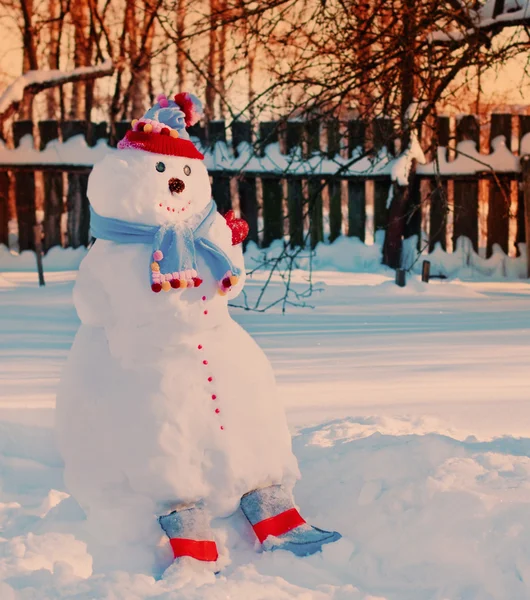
column 315, row 186
column 525, row 185
column 333, row 183
column 220, row 183
column 98, row 131
column 78, row 222
column 466, row 189
column 498, row 225
column 520, row 236
column 122, row 127
column 271, row 189
column 4, row 208
column 356, row 189
column 383, row 132
column 4, row 205
column 295, row 196
column 438, row 193
column 24, row 193
column 53, row 191
column 413, row 215
column 198, row 131
column 248, row 200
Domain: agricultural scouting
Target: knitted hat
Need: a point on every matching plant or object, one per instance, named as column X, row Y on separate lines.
column 162, row 129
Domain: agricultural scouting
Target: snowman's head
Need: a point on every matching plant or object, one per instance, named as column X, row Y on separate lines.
column 157, row 175
column 152, row 189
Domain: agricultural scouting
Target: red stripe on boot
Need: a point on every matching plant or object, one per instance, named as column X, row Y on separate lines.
column 206, row 551
column 278, row 525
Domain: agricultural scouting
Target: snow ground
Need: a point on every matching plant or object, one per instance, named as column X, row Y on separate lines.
column 411, row 419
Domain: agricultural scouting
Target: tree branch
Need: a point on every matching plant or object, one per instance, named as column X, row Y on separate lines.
column 33, row 82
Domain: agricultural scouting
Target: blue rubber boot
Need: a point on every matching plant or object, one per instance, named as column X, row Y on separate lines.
column 190, row 534
column 279, row 526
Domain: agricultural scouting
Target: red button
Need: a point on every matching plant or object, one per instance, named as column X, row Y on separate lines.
column 217, row 411
column 214, row 397
column 204, row 297
column 210, row 379
column 205, row 312
column 204, row 362
column 199, row 347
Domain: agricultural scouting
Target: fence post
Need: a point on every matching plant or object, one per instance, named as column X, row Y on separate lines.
column 24, row 193
column 383, row 132
column 438, row 195
column 425, row 271
column 525, row 167
column 4, row 205
column 356, row 187
column 295, row 197
column 334, row 183
column 466, row 189
column 271, row 189
column 220, row 181
column 38, row 234
column 53, row 191
column 520, row 237
column 499, row 193
column 315, row 208
column 4, row 208
column 78, row 221
column 248, row 203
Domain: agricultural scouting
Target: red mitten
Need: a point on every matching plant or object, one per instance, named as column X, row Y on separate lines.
column 239, row 227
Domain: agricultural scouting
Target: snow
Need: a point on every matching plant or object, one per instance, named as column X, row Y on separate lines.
column 74, row 151
column 516, row 12
column 402, row 165
column 220, row 158
column 410, row 418
column 470, row 161
column 56, row 259
column 345, row 255
column 15, row 91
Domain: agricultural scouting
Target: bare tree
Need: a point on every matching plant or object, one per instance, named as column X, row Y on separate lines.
column 81, row 102
column 29, row 61
column 181, row 46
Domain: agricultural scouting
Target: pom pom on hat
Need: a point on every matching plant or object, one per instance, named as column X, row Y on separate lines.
column 191, row 106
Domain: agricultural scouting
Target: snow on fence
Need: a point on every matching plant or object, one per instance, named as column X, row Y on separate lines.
column 296, row 179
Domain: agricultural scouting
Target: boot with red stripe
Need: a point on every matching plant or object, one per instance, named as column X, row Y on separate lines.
column 279, row 526
column 190, row 535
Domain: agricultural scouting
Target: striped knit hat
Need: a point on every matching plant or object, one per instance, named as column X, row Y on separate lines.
column 162, row 130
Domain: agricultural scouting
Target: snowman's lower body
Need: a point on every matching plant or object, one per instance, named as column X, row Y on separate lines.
column 178, row 424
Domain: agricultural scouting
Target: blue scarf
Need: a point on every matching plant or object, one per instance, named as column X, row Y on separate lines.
column 175, row 247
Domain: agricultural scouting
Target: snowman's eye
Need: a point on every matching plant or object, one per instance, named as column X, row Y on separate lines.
column 160, row 167
column 187, row 170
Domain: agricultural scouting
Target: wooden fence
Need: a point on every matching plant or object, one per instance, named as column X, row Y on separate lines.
column 312, row 193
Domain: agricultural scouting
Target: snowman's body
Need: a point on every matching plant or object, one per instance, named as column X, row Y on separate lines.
column 165, row 400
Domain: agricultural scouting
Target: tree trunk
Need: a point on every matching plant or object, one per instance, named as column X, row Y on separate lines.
column 52, row 101
column 392, row 248
column 221, row 85
column 211, row 93
column 181, row 49
column 29, row 59
column 79, row 109
column 141, row 48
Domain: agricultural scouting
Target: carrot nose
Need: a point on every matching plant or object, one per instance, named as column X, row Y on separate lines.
column 176, row 186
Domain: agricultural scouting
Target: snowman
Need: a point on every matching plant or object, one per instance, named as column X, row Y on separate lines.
column 167, row 412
